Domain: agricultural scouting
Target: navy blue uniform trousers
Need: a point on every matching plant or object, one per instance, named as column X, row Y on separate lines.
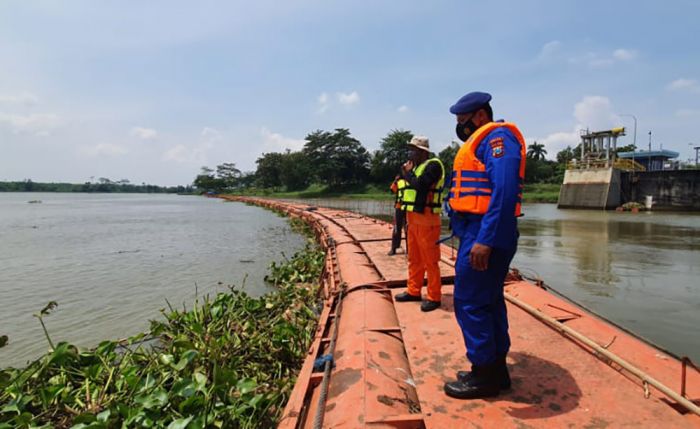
column 479, row 303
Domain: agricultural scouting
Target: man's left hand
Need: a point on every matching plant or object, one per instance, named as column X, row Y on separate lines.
column 479, row 257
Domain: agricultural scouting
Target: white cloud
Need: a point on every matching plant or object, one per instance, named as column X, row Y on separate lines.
column 558, row 141
column 593, row 113
column 196, row 154
column 402, row 109
column 596, row 113
column 682, row 84
column 103, row 149
column 25, row 98
column 210, row 135
column 144, row 133
column 348, row 99
column 624, row 54
column 597, row 60
column 38, row 124
column 275, row 142
column 178, row 153
column 323, row 102
column 549, row 49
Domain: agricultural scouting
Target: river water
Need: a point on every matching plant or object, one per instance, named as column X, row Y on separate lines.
column 641, row 271
column 111, row 261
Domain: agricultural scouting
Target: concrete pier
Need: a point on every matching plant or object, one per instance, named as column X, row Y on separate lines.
column 594, row 188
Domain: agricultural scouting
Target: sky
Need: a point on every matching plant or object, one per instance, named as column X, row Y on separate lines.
column 151, row 91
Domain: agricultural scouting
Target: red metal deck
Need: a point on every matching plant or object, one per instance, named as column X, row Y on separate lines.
column 391, row 359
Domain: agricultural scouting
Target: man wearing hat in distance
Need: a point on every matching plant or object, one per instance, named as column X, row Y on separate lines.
column 484, row 204
column 422, row 200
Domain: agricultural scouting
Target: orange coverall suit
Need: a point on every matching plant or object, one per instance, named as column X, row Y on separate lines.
column 423, row 234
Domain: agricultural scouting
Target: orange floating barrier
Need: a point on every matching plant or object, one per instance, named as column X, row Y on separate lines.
column 384, row 365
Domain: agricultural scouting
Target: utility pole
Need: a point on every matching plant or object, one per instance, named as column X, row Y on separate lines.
column 649, row 166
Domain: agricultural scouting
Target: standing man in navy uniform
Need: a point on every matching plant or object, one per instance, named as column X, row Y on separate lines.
column 484, row 201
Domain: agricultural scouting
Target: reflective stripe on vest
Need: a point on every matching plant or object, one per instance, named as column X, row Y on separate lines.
column 401, row 186
column 434, row 196
column 470, row 188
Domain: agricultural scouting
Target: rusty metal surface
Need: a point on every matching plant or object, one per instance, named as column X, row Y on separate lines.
column 392, row 359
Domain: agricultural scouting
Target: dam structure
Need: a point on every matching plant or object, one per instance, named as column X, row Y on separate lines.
column 593, row 180
column 602, row 178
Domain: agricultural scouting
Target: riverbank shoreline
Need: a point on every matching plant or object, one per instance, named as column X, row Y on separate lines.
column 533, row 193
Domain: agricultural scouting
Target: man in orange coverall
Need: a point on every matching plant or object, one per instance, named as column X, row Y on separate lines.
column 422, row 201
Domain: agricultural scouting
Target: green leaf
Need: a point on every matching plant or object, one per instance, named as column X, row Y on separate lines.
column 180, row 423
column 200, row 381
column 86, row 418
column 104, row 415
column 166, row 359
column 246, row 385
column 63, row 354
column 157, row 399
column 184, row 387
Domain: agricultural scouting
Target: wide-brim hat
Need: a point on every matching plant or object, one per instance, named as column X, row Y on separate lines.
column 420, row 142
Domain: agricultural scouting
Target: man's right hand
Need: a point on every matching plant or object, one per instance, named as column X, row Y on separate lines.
column 407, row 166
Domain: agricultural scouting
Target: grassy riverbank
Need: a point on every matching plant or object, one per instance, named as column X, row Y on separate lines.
column 230, row 361
column 534, row 193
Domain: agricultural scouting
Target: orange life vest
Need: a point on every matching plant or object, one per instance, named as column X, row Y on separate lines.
column 471, row 189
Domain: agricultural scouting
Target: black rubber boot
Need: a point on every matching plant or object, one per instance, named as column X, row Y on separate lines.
column 428, row 305
column 503, row 375
column 482, row 383
column 405, row 296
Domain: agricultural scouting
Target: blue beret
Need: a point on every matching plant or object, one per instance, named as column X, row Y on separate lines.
column 470, row 102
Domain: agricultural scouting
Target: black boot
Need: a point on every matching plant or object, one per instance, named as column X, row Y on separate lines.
column 405, row 296
column 483, row 383
column 503, row 375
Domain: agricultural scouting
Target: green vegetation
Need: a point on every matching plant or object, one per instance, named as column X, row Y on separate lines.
column 335, row 165
column 230, row 361
column 102, row 185
column 541, row 193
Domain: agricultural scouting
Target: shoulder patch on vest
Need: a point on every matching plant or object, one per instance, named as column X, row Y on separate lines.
column 497, row 147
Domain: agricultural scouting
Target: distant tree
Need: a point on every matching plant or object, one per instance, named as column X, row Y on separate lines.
column 228, row 174
column 540, row 171
column 447, row 156
column 536, row 151
column 296, row 171
column 626, row 148
column 392, row 153
column 269, row 170
column 206, row 181
column 565, row 155
column 336, row 157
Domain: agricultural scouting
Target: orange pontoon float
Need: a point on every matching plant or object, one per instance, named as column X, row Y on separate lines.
column 384, row 366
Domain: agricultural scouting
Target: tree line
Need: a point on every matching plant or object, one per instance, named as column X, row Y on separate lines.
column 338, row 160
column 102, row 185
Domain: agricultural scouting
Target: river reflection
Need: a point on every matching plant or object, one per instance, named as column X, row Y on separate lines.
column 639, row 270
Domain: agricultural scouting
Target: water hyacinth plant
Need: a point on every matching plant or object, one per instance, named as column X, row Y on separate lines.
column 229, row 362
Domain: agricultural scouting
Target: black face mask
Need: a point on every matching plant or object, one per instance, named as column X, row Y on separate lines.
column 465, row 129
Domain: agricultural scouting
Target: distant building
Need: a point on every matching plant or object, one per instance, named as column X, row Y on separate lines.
column 654, row 160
